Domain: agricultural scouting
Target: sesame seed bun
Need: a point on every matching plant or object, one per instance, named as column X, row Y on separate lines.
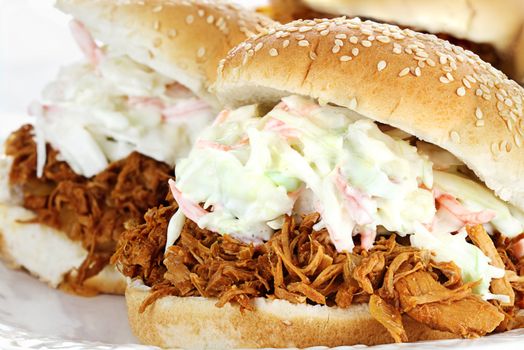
column 181, row 39
column 416, row 82
column 196, row 323
column 482, row 21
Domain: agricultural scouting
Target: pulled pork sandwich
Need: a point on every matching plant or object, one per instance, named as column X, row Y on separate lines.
column 492, row 29
column 108, row 132
column 349, row 195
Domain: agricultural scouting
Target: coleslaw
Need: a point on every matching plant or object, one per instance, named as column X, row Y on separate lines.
column 249, row 170
column 101, row 110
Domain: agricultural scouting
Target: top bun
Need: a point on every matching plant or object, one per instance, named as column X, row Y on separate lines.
column 416, row 82
column 483, row 21
column 182, row 39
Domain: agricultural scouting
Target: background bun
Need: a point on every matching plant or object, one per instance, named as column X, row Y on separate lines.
column 425, row 86
column 196, row 323
column 482, row 21
column 181, row 39
column 46, row 253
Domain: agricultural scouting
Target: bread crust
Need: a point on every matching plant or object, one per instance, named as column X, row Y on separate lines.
column 181, row 39
column 416, row 82
column 196, row 323
column 483, row 21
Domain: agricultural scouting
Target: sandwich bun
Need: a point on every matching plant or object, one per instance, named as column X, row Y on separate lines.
column 436, row 91
column 181, row 39
column 482, row 21
column 196, row 323
column 415, row 82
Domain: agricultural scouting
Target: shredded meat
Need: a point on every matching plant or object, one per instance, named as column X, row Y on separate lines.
column 301, row 265
column 457, row 311
column 92, row 211
column 482, row 240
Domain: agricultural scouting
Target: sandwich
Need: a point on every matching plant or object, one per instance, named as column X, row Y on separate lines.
column 346, row 195
column 492, row 29
column 108, row 132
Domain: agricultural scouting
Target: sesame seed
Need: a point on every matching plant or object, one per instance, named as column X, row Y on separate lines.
column 341, row 36
column 443, row 59
column 303, row 43
column 273, row 52
column 383, row 39
column 366, row 43
column 324, row 32
column 353, row 103
column 466, row 83
column 479, row 123
column 381, row 66
column 422, row 54
column 201, row 13
column 355, row 51
column 335, row 49
column 397, row 50
column 478, row 92
column 345, row 58
column 478, row 113
column 258, row 46
column 300, row 36
column 312, row 55
column 461, row 91
column 285, row 43
column 371, row 38
column 455, row 136
column 500, row 106
column 404, row 72
column 339, row 42
column 518, row 140
column 172, row 33
column 304, row 29
column 449, row 76
column 201, row 52
column 430, row 62
column 157, row 42
column 210, row 19
column 418, row 72
column 190, row 19
column 353, row 39
column 508, row 102
column 444, row 80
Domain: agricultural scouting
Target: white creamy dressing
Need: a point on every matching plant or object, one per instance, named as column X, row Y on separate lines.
column 101, row 110
column 250, row 171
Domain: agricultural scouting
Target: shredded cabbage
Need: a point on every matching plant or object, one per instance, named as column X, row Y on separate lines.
column 96, row 114
column 476, row 197
column 249, row 171
column 247, row 168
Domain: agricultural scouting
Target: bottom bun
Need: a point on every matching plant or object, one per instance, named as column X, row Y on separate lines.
column 195, row 322
column 48, row 253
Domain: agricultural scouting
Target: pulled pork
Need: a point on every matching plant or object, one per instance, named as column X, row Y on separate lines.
column 301, row 265
column 92, row 211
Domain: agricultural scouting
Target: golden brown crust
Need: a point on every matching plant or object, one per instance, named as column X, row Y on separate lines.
column 480, row 21
column 418, row 83
column 194, row 322
column 175, row 37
